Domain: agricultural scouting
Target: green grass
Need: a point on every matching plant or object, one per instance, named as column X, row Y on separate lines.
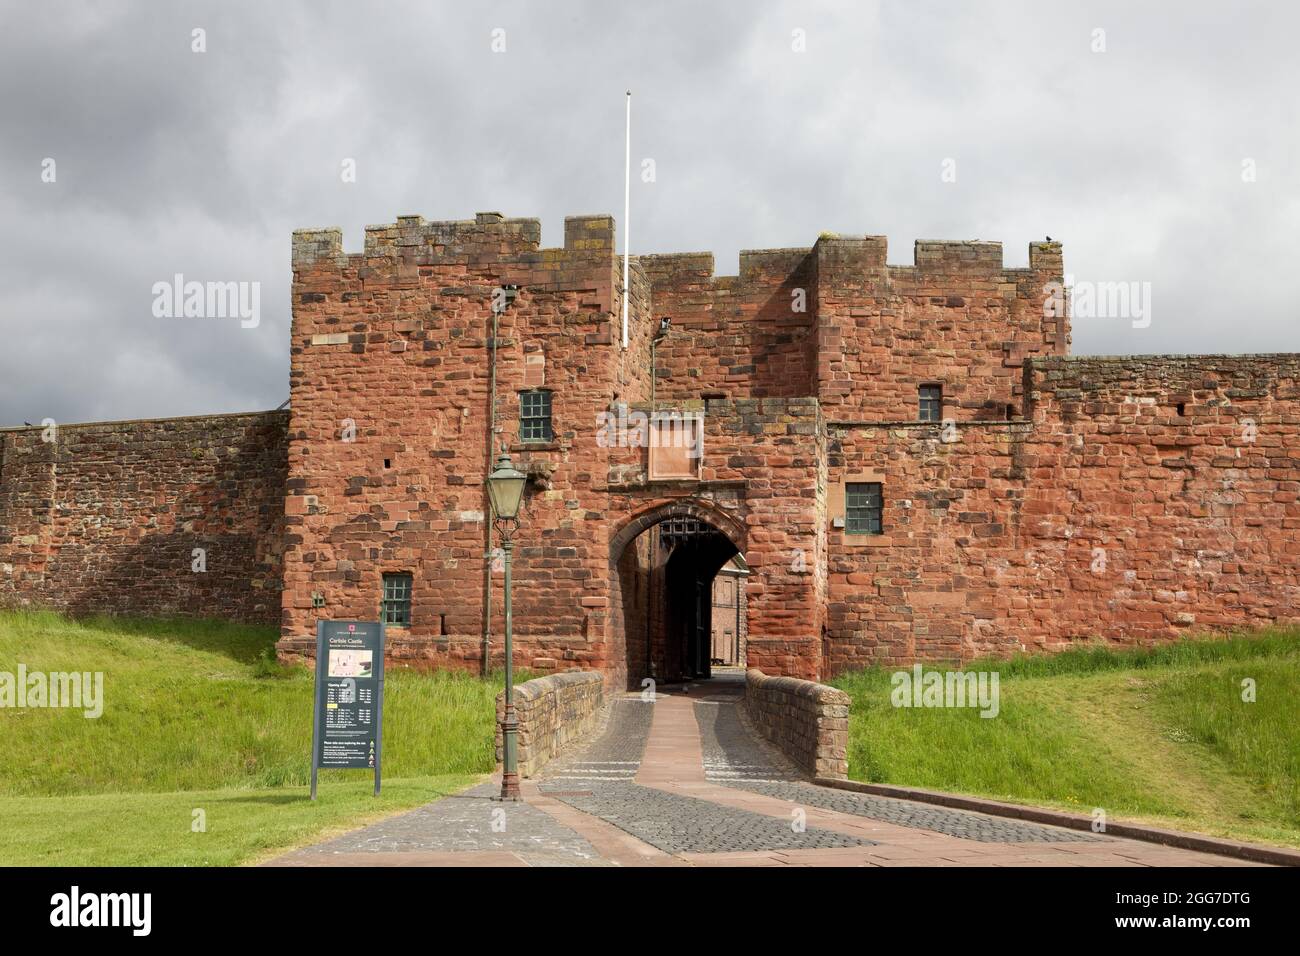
column 198, row 715
column 1160, row 735
column 158, row 829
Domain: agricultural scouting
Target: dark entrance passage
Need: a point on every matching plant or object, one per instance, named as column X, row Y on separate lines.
column 696, row 552
column 665, row 599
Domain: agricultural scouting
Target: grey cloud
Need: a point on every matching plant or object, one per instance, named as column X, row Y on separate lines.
column 171, row 161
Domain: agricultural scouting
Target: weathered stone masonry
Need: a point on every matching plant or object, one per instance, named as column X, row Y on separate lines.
column 1058, row 499
column 1142, row 498
column 106, row 517
column 808, row 722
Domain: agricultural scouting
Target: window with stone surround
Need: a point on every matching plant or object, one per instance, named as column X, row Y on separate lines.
column 931, row 403
column 535, row 415
column 864, row 507
column 396, row 608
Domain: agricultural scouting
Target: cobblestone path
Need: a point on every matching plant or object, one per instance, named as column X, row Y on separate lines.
column 684, row 781
column 679, row 824
column 455, row 828
column 615, row 753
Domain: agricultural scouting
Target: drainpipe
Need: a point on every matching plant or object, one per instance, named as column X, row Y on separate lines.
column 487, row 523
column 491, row 451
column 653, row 342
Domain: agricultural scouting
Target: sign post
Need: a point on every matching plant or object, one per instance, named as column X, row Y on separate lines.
column 347, row 724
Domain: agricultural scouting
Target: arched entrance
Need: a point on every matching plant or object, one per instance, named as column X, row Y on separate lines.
column 662, row 569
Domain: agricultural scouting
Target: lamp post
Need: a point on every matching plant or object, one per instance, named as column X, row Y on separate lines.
column 505, row 491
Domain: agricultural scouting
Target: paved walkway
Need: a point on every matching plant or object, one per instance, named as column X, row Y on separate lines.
column 682, row 781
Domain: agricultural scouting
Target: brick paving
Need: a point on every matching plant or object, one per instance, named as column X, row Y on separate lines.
column 731, row 751
column 680, row 824
column 683, row 781
column 615, row 752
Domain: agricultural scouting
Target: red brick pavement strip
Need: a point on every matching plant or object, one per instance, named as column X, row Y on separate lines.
column 474, row 858
column 673, row 762
column 1253, row 852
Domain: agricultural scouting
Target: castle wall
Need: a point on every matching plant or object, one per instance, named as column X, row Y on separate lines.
column 1060, row 499
column 106, row 517
column 393, row 345
column 945, row 579
column 1109, row 515
column 1165, row 493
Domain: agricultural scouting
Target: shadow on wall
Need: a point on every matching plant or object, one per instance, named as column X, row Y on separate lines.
column 177, row 517
column 158, row 576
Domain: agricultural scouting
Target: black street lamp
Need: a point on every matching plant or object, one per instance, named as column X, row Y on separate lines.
column 505, row 491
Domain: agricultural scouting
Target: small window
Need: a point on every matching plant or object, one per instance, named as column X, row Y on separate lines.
column 931, row 403
column 535, row 415
column 397, row 600
column 863, row 507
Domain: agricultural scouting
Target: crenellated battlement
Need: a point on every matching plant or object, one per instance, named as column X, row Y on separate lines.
column 975, row 255
column 934, row 256
column 487, row 235
column 414, row 236
column 492, row 234
column 942, row 255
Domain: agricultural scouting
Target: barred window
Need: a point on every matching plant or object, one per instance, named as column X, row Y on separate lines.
column 397, row 600
column 863, row 507
column 535, row 415
column 931, row 403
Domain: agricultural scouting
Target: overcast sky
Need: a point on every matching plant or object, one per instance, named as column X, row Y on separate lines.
column 169, row 161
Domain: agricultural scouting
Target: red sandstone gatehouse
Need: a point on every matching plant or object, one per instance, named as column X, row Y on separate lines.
column 906, row 459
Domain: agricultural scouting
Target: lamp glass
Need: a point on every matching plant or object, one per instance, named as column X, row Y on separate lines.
column 506, row 488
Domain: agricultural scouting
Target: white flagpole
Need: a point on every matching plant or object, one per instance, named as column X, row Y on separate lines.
column 627, row 211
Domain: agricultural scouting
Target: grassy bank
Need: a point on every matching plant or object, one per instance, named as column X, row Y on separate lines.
column 161, row 829
column 197, row 716
column 1161, row 735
